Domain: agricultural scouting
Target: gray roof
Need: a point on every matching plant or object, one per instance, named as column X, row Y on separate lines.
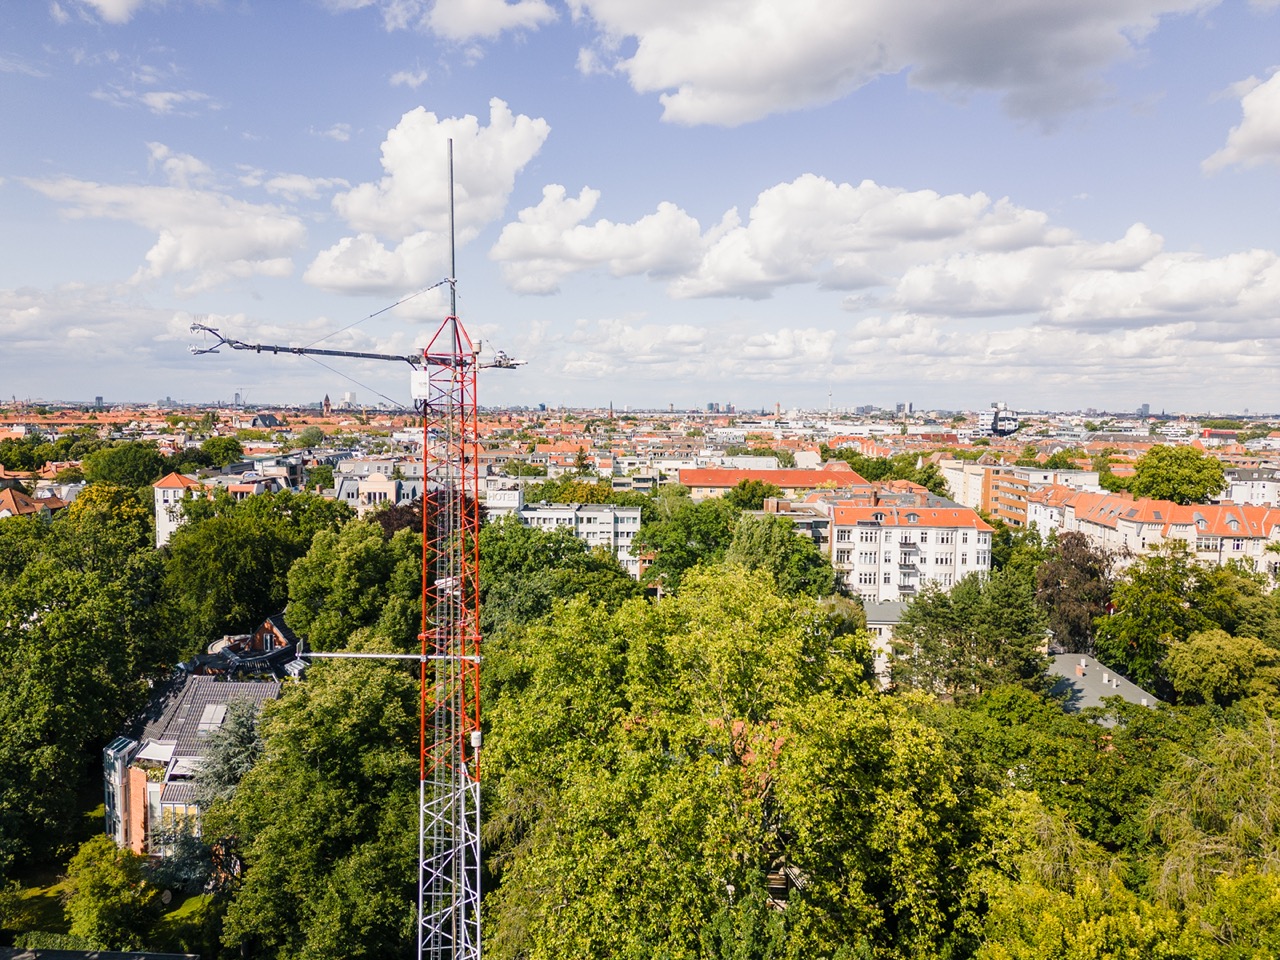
column 197, row 700
column 1084, row 682
column 884, row 612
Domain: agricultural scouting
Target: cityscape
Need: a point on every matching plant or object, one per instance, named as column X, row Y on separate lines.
column 614, row 479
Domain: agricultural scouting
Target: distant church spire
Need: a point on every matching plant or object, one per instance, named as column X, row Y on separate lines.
column 328, row 407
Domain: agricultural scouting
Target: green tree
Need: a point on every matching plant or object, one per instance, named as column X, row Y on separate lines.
column 327, row 819
column 1181, row 474
column 1074, row 585
column 1211, row 666
column 692, row 533
column 226, row 575
column 751, row 494
column 309, row 437
column 1214, row 813
column 110, row 904
column 526, row 570
column 643, row 737
column 222, row 451
column 1152, row 609
column 320, row 477
column 357, row 577
column 795, row 563
column 129, row 464
column 83, row 631
column 976, row 637
column 1061, row 460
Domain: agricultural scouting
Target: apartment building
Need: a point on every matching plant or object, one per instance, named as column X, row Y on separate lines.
column 1215, row 533
column 604, row 525
column 887, row 553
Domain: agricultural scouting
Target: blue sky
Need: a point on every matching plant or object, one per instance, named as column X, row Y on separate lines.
column 1055, row 203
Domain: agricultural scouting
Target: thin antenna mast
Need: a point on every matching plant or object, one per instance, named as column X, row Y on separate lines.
column 449, row 791
column 444, row 385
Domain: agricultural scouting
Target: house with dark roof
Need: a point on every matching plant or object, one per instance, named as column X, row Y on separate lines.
column 149, row 770
column 1081, row 682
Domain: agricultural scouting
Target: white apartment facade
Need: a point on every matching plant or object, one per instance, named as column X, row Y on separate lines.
column 604, row 525
column 890, row 553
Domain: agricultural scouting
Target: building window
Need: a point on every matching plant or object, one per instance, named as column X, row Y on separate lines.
column 842, row 556
column 1237, row 544
column 867, row 578
column 964, row 537
column 867, row 557
column 964, row 559
column 869, row 536
column 946, row 536
column 886, row 579
column 924, row 536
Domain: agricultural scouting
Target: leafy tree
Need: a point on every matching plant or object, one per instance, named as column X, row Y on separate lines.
column 1061, row 460
column 357, row 577
column 327, row 819
column 1074, row 584
column 649, row 736
column 309, row 437
column 795, row 563
column 1214, row 814
column 751, row 494
column 321, row 477
column 130, row 464
column 226, row 575
column 1211, row 666
column 110, row 904
column 526, row 570
column 83, row 632
column 1018, row 547
column 188, row 460
column 222, row 451
column 693, row 533
column 977, row 636
column 1181, row 474
column 1152, row 610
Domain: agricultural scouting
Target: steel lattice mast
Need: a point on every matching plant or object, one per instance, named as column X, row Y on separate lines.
column 444, row 387
column 449, row 792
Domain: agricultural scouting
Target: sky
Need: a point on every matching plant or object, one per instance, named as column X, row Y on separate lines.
column 1057, row 204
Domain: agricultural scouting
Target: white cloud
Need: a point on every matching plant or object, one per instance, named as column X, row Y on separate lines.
column 917, row 253
column 202, row 234
column 733, row 61
column 409, row 78
column 457, row 20
column 1256, row 140
column 11, row 64
column 409, row 205
column 339, row 131
column 549, row 242
column 464, row 19
column 295, row 185
column 58, row 14
column 114, row 11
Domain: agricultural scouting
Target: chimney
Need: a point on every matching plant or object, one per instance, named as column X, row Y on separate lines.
column 1106, row 678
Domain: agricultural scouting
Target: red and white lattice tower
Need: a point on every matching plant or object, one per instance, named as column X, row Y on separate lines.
column 449, row 791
